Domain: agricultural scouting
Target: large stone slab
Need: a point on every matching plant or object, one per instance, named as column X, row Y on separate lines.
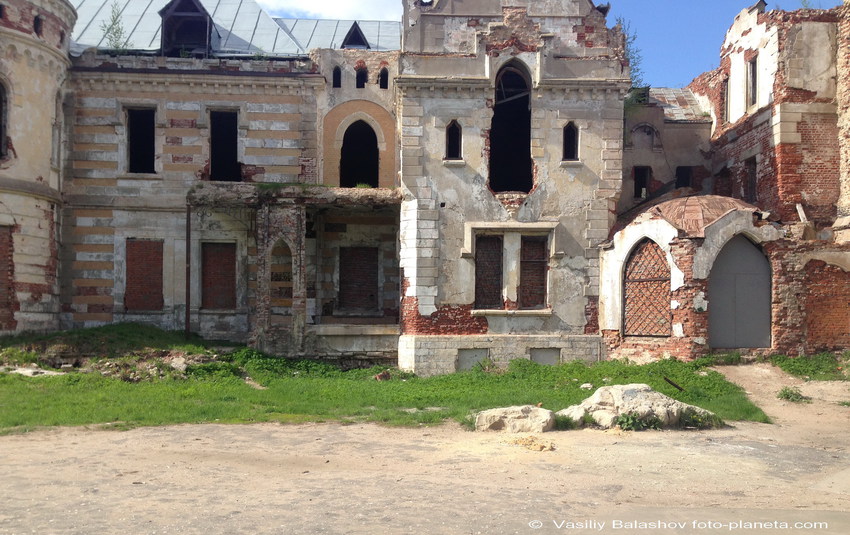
column 606, row 405
column 519, row 419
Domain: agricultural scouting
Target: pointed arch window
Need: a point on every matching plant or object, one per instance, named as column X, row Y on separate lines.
column 454, row 141
column 646, row 292
column 362, row 77
column 337, row 77
column 570, row 142
column 359, row 159
column 384, row 79
column 510, row 132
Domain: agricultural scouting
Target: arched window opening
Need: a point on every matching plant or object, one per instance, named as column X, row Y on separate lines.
column 362, row 77
column 454, row 136
column 38, row 25
column 337, row 77
column 570, row 142
column 646, row 292
column 510, row 133
column 280, row 285
column 358, row 165
column 4, row 118
column 384, row 79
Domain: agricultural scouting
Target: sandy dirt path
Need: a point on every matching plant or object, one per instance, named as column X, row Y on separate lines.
column 367, row 479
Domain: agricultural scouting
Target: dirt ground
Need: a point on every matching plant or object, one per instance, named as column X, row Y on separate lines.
column 792, row 476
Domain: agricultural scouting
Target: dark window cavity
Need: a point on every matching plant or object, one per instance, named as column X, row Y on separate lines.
column 143, row 285
column 141, row 133
column 534, row 266
column 454, row 137
column 684, row 177
column 358, row 279
column 510, row 132
column 751, row 180
column 224, row 146
column 4, row 119
column 488, row 272
column 752, row 82
column 384, row 79
column 358, row 164
column 38, row 25
column 218, row 276
column 642, row 178
column 362, row 77
column 186, row 29
column 337, row 77
column 570, row 142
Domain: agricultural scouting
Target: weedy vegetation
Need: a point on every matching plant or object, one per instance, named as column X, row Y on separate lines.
column 820, row 367
column 793, row 394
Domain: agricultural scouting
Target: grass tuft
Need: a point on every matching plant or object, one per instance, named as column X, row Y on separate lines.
column 793, row 394
column 820, row 367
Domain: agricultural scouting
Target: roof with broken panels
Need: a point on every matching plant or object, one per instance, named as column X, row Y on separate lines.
column 241, row 27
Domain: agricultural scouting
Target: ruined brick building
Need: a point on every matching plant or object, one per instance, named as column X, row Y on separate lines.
column 477, row 181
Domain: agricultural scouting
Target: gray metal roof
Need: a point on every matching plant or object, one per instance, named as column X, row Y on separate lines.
column 242, row 26
column 325, row 33
column 680, row 105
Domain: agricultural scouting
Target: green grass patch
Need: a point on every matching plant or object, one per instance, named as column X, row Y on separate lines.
column 845, row 403
column 792, row 394
column 297, row 391
column 820, row 367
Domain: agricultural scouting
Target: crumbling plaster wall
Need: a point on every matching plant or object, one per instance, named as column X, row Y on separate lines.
column 33, row 70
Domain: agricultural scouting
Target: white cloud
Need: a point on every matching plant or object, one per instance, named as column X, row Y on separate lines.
column 335, row 9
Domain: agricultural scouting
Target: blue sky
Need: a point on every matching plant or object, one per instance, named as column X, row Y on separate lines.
column 678, row 39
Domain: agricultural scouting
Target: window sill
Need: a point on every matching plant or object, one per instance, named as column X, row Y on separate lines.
column 454, row 163
column 521, row 313
column 571, row 163
column 139, row 176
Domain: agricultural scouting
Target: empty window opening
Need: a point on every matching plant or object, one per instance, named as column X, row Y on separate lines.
column 143, row 284
column 2, row 12
column 751, row 180
column 684, row 177
column 337, row 77
column 534, row 267
column 358, row 279
column 141, row 133
column 4, row 118
column 727, row 115
column 362, row 77
column 358, row 164
column 186, row 29
column 646, row 292
column 510, row 133
column 384, row 79
column 570, row 142
column 752, row 82
column 642, row 177
column 488, row 272
column 218, row 276
column 38, row 25
column 224, row 146
column 454, row 137
column 7, row 284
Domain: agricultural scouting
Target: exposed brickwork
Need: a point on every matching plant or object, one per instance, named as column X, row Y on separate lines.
column 591, row 312
column 218, row 276
column 358, row 278
column 8, row 300
column 447, row 320
column 827, row 307
column 20, row 15
column 143, row 286
column 646, row 290
column 534, row 270
column 488, row 272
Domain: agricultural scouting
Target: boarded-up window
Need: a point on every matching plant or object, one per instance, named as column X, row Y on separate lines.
column 646, row 292
column 358, row 278
column 7, row 288
column 218, row 276
column 533, row 270
column 143, row 285
column 488, row 272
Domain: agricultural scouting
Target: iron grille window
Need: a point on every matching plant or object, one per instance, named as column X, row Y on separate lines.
column 646, row 292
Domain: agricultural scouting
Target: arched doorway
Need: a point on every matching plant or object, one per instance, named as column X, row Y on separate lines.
column 359, row 160
column 510, row 132
column 280, row 285
column 739, row 296
column 646, row 292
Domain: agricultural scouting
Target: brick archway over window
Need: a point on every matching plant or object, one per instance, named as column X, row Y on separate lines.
column 646, row 292
column 336, row 123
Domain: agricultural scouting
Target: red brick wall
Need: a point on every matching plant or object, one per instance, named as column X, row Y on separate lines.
column 143, row 287
column 819, row 169
column 534, row 268
column 447, row 320
column 358, row 278
column 8, row 302
column 827, row 307
column 218, row 276
column 488, row 272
